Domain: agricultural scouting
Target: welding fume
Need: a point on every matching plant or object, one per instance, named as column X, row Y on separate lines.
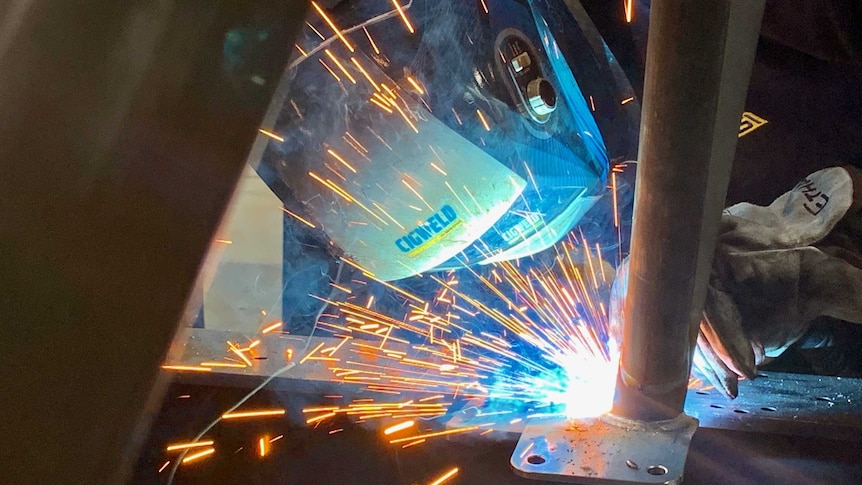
column 451, row 137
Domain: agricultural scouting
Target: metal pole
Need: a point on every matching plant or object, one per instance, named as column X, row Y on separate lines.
column 699, row 61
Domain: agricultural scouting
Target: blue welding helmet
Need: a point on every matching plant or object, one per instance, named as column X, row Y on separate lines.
column 446, row 134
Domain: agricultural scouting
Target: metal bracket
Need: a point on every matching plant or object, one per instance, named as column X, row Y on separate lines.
column 607, row 450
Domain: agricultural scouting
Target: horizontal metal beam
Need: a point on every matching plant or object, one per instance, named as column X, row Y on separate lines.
column 777, row 403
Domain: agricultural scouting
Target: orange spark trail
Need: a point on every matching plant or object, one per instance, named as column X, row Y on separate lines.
column 370, row 40
column 254, row 414
column 185, row 446
column 332, row 26
column 446, row 476
column 271, row 135
column 198, row 455
column 403, row 15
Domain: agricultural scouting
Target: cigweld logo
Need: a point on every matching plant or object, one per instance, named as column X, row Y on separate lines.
column 432, row 230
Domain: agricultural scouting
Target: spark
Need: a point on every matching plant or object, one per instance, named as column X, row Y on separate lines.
column 394, row 103
column 262, row 445
column 341, row 160
column 320, row 418
column 358, row 266
column 336, row 430
column 239, row 353
column 198, row 455
column 341, row 192
column 383, row 99
column 300, row 219
column 223, row 241
column 484, row 7
column 547, row 342
column 413, row 443
column 435, row 434
column 325, row 65
column 627, row 100
column 629, row 11
column 614, row 195
column 263, row 413
column 403, row 16
column 399, row 427
column 533, row 180
column 457, row 118
column 304, row 54
column 341, row 288
column 483, row 120
column 185, row 446
column 340, row 66
column 224, row 364
column 574, row 346
column 272, row 327
column 190, row 368
column 319, row 409
column 373, row 45
column 435, row 167
column 415, row 85
column 271, row 135
column 380, row 138
column 332, row 26
column 601, row 263
column 165, row 465
column 308, row 355
column 276, row 438
column 315, row 31
column 446, row 476
column 354, row 140
column 381, row 105
column 416, row 194
column 365, row 73
column 385, row 213
column 592, row 104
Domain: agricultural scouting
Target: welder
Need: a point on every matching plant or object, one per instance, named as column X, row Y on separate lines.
column 779, row 268
column 544, row 164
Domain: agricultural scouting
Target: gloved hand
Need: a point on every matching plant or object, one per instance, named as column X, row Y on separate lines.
column 776, row 269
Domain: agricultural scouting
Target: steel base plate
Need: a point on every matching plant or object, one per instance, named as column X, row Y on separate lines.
column 607, row 450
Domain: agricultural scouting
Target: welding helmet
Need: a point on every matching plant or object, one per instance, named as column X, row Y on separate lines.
column 438, row 133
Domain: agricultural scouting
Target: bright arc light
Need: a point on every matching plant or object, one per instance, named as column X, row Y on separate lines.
column 591, row 381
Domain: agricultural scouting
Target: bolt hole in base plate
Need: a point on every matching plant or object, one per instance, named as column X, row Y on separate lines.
column 536, row 459
column 657, row 470
column 606, row 450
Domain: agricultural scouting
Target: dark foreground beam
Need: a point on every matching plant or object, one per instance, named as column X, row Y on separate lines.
column 124, row 129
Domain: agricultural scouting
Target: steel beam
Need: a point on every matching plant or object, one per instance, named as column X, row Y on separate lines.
column 699, row 61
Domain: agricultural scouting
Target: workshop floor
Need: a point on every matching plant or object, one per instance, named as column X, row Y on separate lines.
column 812, row 110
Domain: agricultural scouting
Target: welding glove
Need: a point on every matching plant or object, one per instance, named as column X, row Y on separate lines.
column 776, row 269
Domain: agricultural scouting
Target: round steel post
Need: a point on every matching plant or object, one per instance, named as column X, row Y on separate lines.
column 699, row 62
